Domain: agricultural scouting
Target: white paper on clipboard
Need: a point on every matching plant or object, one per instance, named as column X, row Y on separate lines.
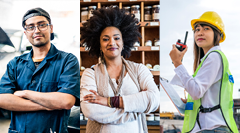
column 174, row 97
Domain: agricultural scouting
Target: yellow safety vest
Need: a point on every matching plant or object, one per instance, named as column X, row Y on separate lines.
column 225, row 100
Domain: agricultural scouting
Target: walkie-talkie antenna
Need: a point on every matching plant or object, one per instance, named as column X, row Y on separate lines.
column 185, row 38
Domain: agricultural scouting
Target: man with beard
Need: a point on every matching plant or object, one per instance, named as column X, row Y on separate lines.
column 40, row 87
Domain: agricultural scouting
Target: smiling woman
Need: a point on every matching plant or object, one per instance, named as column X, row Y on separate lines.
column 111, row 42
column 116, row 93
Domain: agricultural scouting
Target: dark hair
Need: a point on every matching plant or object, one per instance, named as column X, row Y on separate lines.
column 106, row 17
column 198, row 52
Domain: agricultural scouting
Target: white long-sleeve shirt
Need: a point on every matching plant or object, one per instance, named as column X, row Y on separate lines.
column 122, row 120
column 205, row 85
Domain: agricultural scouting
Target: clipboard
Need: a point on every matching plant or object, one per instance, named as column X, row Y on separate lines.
column 174, row 97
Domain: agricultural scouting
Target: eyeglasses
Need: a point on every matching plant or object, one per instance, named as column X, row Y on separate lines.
column 41, row 27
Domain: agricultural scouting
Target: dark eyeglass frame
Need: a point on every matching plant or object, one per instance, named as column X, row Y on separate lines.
column 27, row 28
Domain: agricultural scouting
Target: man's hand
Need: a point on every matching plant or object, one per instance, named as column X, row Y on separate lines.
column 21, row 94
column 50, row 100
column 15, row 102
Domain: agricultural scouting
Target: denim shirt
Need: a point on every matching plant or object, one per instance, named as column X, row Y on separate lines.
column 58, row 72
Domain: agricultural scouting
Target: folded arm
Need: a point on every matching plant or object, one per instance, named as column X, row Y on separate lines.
column 14, row 103
column 145, row 101
column 106, row 115
column 97, row 112
column 52, row 100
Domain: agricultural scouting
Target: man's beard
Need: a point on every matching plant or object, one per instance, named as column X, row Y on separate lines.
column 40, row 44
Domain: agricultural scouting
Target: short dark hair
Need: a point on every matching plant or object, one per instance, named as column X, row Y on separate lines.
column 106, row 17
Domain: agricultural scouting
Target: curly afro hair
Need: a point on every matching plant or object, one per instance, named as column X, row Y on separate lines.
column 106, row 17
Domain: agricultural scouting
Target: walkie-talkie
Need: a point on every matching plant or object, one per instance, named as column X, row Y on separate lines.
column 181, row 46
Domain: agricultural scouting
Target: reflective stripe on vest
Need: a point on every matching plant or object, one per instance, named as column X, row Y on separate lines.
column 226, row 101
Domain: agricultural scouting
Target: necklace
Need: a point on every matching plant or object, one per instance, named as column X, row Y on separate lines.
column 120, row 80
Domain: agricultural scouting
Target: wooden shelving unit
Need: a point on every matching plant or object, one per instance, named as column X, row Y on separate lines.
column 142, row 54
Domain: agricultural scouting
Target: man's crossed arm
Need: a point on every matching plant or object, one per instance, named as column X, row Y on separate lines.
column 27, row 100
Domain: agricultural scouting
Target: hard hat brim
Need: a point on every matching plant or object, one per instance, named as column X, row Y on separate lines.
column 194, row 21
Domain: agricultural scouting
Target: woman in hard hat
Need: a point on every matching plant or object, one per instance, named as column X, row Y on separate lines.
column 209, row 104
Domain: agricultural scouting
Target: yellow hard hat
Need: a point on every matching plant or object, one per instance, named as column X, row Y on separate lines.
column 212, row 18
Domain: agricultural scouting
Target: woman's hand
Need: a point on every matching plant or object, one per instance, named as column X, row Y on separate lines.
column 184, row 100
column 177, row 55
column 95, row 98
